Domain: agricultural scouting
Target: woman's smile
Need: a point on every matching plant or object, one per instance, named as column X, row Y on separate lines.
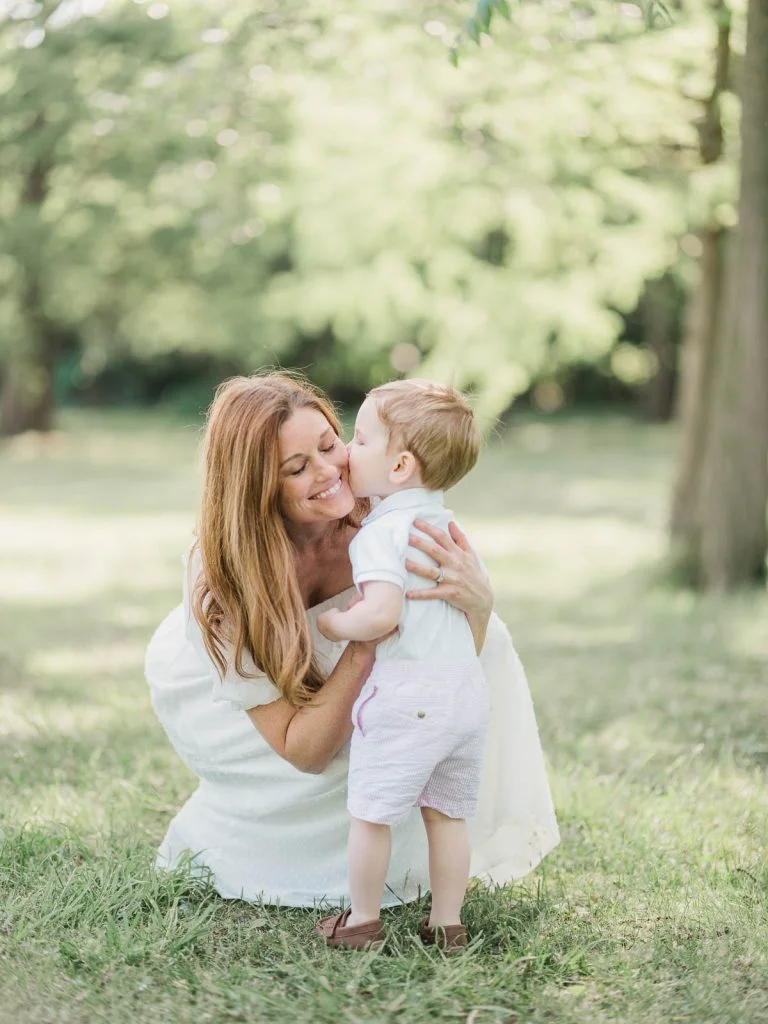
column 330, row 492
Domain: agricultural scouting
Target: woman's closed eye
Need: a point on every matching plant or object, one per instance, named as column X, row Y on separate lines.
column 325, row 451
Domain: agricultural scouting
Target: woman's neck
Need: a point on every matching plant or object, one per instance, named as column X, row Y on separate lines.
column 309, row 538
column 322, row 560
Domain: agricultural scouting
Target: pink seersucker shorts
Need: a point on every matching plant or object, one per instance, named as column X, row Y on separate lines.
column 418, row 740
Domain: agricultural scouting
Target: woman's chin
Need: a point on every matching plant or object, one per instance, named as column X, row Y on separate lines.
column 339, row 505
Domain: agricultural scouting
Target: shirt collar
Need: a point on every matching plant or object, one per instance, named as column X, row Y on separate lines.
column 411, row 497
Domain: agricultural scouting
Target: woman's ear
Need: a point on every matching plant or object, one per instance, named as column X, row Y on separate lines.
column 405, row 469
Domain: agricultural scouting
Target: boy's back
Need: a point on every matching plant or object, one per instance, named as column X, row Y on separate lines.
column 430, row 631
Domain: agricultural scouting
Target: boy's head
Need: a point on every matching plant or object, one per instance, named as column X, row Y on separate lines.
column 412, row 433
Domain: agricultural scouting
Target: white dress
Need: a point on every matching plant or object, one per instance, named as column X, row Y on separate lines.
column 267, row 832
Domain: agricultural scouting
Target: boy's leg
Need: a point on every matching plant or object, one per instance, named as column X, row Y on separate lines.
column 449, row 858
column 368, row 852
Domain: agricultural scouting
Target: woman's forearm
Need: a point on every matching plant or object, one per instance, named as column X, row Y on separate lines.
column 478, row 623
column 317, row 731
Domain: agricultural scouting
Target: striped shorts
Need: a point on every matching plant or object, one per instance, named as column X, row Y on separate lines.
column 418, row 740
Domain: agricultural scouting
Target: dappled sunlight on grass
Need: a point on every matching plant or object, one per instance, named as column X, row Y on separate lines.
column 749, row 636
column 559, row 559
column 48, row 557
column 60, row 717
column 103, row 660
column 101, row 807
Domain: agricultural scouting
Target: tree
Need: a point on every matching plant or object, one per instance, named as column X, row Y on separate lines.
column 58, row 63
column 116, row 132
column 718, row 522
column 509, row 213
column 704, row 305
column 319, row 186
column 731, row 541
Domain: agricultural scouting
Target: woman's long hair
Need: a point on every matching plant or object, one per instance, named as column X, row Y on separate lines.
column 247, row 597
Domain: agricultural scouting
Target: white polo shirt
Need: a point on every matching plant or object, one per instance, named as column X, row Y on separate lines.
column 428, row 630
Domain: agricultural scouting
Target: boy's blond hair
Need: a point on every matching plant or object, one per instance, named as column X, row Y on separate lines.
column 435, row 423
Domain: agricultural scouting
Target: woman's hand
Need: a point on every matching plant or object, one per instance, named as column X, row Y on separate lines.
column 457, row 574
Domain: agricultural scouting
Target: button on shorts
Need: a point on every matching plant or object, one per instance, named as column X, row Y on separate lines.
column 418, row 740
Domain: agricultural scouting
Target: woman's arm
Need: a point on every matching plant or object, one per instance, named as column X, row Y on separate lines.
column 464, row 583
column 311, row 736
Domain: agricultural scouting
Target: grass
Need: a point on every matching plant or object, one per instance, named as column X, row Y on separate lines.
column 652, row 708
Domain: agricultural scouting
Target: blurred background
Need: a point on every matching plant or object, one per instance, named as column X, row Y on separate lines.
column 195, row 189
column 537, row 208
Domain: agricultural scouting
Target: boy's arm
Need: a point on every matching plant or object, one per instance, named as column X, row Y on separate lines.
column 377, row 614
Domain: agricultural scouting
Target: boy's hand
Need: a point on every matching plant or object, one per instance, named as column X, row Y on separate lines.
column 327, row 623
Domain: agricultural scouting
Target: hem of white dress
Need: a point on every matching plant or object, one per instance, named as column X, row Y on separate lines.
column 492, row 864
column 203, row 870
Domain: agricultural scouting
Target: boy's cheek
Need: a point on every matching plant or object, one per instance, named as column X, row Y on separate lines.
column 352, row 477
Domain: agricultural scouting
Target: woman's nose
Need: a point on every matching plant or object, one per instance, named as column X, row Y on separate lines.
column 328, row 471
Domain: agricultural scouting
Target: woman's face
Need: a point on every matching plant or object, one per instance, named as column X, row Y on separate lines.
column 314, row 479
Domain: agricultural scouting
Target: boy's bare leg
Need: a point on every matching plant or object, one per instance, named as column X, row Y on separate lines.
column 368, row 852
column 449, row 857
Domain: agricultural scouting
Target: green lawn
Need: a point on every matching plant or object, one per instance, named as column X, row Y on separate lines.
column 652, row 705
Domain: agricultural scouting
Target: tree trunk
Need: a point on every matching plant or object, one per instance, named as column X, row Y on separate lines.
column 702, row 316
column 27, row 400
column 27, row 396
column 660, row 334
column 696, row 374
column 733, row 535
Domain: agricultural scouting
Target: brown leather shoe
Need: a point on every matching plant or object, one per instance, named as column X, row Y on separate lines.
column 368, row 935
column 451, row 938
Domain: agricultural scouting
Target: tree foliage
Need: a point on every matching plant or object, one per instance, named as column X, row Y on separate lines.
column 316, row 183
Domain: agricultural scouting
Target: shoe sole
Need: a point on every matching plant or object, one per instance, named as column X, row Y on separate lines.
column 362, row 948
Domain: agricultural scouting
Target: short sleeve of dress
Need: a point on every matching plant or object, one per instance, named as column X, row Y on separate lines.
column 243, row 691
column 378, row 553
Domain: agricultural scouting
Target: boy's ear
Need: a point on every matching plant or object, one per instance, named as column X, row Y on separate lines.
column 405, row 467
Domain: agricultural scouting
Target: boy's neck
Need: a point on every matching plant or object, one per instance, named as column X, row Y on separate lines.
column 412, row 485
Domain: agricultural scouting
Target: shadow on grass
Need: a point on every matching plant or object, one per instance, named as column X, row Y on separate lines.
column 78, row 726
column 64, row 635
column 634, row 661
column 65, row 884
column 102, row 753
column 70, row 491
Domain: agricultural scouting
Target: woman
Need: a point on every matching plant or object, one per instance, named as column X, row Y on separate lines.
column 268, row 818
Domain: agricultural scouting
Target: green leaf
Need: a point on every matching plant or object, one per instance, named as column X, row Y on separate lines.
column 472, row 29
column 484, row 14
